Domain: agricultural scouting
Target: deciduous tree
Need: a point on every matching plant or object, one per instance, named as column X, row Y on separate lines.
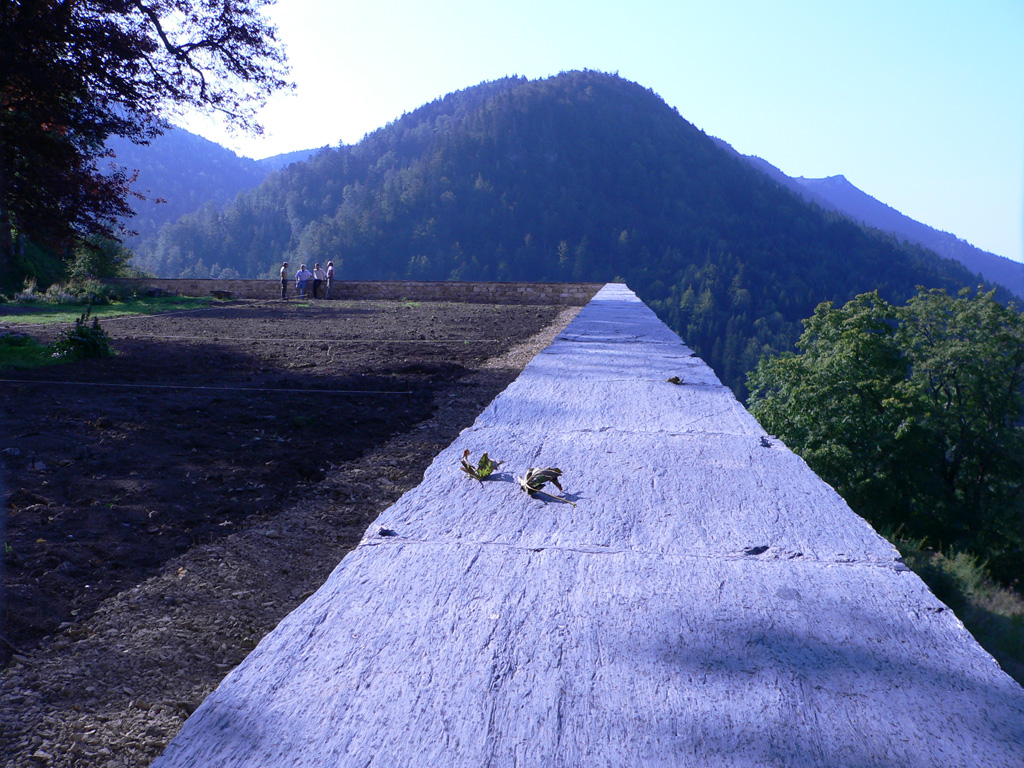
column 75, row 72
column 914, row 414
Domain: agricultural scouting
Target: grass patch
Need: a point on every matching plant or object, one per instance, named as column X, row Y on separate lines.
column 23, row 352
column 993, row 614
column 47, row 314
column 79, row 342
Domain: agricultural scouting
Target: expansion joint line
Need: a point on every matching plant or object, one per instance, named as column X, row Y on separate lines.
column 763, row 555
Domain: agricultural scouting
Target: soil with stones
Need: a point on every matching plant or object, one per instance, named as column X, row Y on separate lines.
column 167, row 506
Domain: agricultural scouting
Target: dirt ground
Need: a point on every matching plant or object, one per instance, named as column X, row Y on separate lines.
column 168, row 506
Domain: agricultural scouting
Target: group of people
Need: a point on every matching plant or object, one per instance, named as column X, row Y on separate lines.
column 303, row 278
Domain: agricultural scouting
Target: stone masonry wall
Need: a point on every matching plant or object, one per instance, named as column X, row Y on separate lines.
column 569, row 294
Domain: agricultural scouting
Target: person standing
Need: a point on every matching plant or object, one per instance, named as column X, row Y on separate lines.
column 301, row 279
column 284, row 280
column 318, row 278
column 330, row 279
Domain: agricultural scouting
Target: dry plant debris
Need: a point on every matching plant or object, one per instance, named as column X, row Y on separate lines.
column 537, row 477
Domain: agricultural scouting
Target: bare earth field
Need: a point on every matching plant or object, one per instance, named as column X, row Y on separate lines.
column 168, row 506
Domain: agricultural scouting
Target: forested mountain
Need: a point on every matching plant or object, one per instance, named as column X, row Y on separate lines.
column 187, row 171
column 582, row 176
column 860, row 206
column 836, row 193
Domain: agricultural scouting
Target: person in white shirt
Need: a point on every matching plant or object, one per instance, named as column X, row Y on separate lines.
column 318, row 278
column 301, row 278
column 330, row 279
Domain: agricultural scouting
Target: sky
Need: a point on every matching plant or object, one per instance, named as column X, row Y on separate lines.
column 918, row 103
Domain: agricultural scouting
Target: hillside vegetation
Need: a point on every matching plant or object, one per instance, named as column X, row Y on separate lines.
column 180, row 172
column 583, row 176
column 914, row 414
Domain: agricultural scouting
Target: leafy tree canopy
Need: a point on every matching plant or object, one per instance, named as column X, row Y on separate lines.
column 914, row 414
column 75, row 72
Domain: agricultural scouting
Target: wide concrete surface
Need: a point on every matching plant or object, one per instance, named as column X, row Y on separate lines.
column 707, row 602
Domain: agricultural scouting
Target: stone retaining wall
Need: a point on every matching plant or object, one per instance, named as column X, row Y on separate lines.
column 568, row 294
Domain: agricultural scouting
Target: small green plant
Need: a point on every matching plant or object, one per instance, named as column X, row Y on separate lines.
column 536, row 478
column 83, row 341
column 483, row 468
column 303, row 420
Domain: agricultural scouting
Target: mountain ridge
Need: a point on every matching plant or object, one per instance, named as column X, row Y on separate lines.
column 583, row 176
column 837, row 193
column 862, row 207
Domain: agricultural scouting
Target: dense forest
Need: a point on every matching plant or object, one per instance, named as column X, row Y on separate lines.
column 583, row 176
column 178, row 172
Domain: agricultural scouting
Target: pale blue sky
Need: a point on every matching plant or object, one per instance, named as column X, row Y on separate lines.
column 919, row 103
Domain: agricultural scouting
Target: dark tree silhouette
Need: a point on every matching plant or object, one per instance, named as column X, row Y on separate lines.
column 75, row 72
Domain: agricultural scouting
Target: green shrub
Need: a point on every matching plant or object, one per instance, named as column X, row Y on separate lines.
column 81, row 291
column 83, row 340
column 993, row 614
column 28, row 293
column 120, row 292
column 58, row 294
column 98, row 257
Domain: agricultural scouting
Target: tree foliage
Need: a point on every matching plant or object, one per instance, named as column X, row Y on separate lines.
column 914, row 413
column 75, row 72
column 97, row 257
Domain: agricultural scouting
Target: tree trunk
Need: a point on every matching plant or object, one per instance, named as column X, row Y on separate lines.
column 6, row 229
column 6, row 247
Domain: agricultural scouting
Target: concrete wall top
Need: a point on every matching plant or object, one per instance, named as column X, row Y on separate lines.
column 708, row 602
column 566, row 294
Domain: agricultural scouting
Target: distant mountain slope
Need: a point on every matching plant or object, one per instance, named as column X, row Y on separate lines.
column 187, row 171
column 582, row 176
column 860, row 206
column 836, row 193
column 277, row 162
